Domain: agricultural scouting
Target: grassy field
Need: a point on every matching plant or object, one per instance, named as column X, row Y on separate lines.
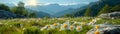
column 34, row 25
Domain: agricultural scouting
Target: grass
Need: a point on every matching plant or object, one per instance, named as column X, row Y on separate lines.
column 33, row 25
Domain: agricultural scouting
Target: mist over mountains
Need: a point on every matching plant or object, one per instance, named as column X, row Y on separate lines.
column 51, row 10
column 56, row 10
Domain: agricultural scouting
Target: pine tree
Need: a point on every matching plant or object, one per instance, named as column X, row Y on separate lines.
column 32, row 14
column 88, row 12
column 20, row 9
column 4, row 7
column 116, row 8
column 105, row 9
column 66, row 15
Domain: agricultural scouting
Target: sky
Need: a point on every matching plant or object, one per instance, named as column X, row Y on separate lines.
column 46, row 2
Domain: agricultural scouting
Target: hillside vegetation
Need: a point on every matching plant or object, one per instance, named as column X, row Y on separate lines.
column 96, row 8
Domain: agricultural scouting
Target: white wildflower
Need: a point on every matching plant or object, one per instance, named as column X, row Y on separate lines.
column 78, row 28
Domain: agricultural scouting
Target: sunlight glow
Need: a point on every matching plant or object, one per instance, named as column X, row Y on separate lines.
column 32, row 2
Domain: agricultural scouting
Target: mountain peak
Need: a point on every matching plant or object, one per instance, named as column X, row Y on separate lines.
column 53, row 5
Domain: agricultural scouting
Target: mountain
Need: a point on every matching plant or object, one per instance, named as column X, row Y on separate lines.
column 9, row 4
column 54, row 8
column 73, row 9
column 64, row 12
column 39, row 14
column 75, row 6
column 97, row 6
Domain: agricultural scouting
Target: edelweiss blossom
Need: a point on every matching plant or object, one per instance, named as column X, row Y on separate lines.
column 47, row 27
column 65, row 26
column 78, row 28
column 75, row 23
column 72, row 27
column 83, row 23
column 97, row 32
column 97, row 26
column 92, row 22
column 55, row 25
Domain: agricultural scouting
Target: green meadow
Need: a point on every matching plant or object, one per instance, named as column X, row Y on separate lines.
column 33, row 25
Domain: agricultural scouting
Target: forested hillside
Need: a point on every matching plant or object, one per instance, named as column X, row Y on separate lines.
column 99, row 7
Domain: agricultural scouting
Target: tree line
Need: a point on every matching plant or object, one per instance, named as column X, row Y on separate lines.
column 19, row 10
column 88, row 12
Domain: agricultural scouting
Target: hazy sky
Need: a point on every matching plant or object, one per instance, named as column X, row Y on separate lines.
column 45, row 2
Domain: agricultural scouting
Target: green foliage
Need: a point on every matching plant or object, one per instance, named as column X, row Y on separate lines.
column 32, row 30
column 88, row 12
column 4, row 7
column 68, row 15
column 20, row 10
column 20, row 4
column 116, row 8
column 47, row 17
column 29, row 26
column 105, row 9
column 7, row 30
column 32, row 14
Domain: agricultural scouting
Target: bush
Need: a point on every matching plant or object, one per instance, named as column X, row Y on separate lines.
column 4, row 7
column 32, row 30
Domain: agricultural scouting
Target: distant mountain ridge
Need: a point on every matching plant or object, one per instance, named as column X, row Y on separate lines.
column 64, row 12
column 39, row 14
column 97, row 6
column 54, row 8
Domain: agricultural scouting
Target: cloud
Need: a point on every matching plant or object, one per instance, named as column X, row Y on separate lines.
column 69, row 4
column 47, row 2
column 65, row 2
column 86, row 2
